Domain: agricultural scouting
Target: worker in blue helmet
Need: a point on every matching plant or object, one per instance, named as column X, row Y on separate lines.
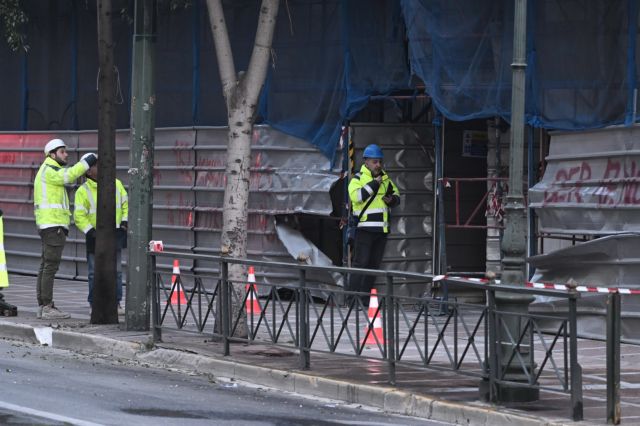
column 372, row 194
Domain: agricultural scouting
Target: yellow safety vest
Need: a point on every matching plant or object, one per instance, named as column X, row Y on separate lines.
column 361, row 188
column 4, row 275
column 50, row 197
column 86, row 201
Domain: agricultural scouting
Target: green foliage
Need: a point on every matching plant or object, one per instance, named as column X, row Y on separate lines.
column 13, row 18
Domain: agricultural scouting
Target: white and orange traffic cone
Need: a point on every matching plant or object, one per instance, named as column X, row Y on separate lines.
column 252, row 305
column 376, row 334
column 177, row 295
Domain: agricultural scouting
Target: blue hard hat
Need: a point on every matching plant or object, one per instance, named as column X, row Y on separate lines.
column 372, row 151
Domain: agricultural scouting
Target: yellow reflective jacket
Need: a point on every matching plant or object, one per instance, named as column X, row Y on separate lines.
column 363, row 186
column 50, row 197
column 86, row 201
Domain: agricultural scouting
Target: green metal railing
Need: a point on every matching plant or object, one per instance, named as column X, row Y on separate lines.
column 417, row 332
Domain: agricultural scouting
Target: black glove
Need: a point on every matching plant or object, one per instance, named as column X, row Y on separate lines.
column 91, row 159
column 0, row 213
column 91, row 234
column 124, row 225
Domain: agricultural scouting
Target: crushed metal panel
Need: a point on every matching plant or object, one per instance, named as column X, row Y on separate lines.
column 288, row 175
column 612, row 261
column 591, row 183
column 303, row 250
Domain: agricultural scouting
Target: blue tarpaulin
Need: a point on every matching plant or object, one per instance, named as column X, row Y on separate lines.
column 330, row 57
column 581, row 63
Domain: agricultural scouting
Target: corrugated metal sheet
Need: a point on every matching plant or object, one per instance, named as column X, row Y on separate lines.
column 591, row 183
column 288, row 176
column 612, row 261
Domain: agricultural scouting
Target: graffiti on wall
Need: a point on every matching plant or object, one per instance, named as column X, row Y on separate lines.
column 589, row 182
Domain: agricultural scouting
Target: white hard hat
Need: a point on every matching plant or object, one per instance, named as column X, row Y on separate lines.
column 53, row 144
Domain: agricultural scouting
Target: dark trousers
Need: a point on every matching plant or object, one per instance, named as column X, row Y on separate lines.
column 368, row 252
column 53, row 240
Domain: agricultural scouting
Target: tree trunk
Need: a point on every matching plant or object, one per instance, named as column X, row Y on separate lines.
column 236, row 207
column 241, row 94
column 104, row 310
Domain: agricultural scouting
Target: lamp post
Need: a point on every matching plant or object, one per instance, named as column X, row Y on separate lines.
column 509, row 328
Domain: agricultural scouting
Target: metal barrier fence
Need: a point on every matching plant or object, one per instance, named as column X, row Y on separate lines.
column 421, row 333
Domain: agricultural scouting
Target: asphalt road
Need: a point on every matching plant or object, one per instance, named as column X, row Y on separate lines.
column 46, row 386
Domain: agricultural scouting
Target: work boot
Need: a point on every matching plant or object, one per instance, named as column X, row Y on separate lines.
column 7, row 309
column 50, row 312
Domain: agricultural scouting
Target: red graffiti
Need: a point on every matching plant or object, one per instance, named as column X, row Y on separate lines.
column 183, row 152
column 619, row 175
column 183, row 214
column 8, row 157
column 572, row 175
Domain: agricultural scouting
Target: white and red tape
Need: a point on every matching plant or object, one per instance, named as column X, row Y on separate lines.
column 551, row 286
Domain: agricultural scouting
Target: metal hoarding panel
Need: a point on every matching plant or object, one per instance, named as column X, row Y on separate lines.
column 591, row 183
column 287, row 176
column 612, row 261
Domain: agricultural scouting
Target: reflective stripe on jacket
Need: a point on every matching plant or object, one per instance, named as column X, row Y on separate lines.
column 50, row 197
column 361, row 187
column 86, row 201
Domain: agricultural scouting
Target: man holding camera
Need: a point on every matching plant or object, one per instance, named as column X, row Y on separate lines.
column 372, row 195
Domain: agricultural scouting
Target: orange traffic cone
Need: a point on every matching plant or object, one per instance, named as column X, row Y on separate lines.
column 177, row 295
column 375, row 335
column 252, row 305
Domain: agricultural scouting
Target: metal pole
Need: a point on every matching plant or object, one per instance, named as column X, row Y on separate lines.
column 155, row 296
column 576, row 369
column 493, row 344
column 141, row 164
column 531, row 181
column 303, row 322
column 514, row 239
column 390, row 316
column 224, row 305
column 348, row 168
column 613, row 358
column 455, row 336
column 437, row 175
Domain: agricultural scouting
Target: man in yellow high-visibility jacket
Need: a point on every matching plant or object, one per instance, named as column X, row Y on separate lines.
column 5, row 308
column 373, row 226
column 53, row 215
column 85, row 214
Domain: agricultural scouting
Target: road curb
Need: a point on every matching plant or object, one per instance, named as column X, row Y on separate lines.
column 389, row 399
column 22, row 332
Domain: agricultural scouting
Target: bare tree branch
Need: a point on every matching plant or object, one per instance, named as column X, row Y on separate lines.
column 226, row 65
column 259, row 62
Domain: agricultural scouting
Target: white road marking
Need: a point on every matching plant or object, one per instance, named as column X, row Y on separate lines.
column 46, row 415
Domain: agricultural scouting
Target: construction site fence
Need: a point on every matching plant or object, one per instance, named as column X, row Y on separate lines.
column 422, row 333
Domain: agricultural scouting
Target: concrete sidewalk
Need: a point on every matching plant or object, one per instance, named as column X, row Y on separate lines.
column 436, row 395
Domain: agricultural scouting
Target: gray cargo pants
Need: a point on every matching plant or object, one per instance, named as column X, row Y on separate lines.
column 53, row 240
